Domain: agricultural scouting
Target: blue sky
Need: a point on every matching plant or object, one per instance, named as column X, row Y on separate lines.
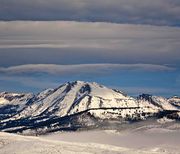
column 131, row 45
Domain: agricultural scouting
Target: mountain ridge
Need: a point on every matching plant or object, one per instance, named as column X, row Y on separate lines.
column 79, row 104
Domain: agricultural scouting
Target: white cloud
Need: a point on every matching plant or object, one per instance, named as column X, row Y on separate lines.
column 63, row 30
column 81, row 68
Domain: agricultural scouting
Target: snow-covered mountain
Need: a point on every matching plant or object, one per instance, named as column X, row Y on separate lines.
column 175, row 100
column 78, row 104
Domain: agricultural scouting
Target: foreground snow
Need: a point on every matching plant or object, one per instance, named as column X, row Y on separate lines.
column 151, row 141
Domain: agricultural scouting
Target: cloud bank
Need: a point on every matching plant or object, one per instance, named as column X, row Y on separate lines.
column 61, row 42
column 154, row 12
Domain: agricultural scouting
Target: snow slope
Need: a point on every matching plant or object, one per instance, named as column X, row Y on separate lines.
column 78, row 96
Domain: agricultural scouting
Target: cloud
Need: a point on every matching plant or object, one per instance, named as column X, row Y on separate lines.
column 155, row 12
column 63, row 42
column 82, row 68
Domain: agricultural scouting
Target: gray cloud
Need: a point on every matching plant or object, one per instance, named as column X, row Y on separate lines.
column 155, row 12
column 82, row 68
column 82, row 42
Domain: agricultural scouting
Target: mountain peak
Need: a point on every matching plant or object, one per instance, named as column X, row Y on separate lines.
column 81, row 103
column 79, row 82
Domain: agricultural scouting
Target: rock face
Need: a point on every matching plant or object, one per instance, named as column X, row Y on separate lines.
column 78, row 104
